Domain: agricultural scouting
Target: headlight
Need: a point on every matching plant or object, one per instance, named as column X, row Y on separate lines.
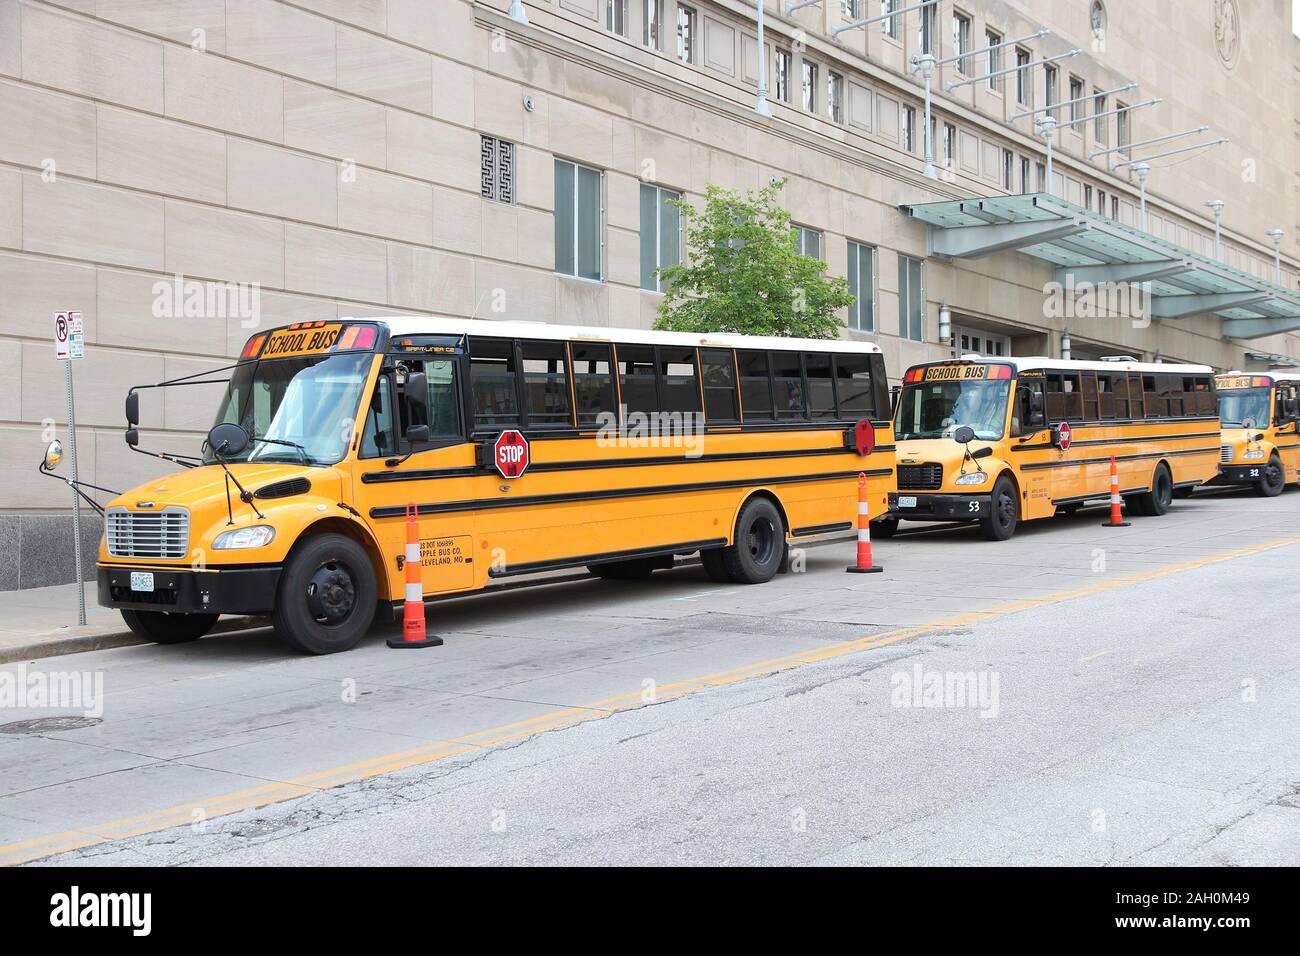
column 257, row 536
column 1253, row 455
column 972, row 478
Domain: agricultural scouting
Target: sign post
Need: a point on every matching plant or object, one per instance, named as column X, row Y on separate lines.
column 69, row 345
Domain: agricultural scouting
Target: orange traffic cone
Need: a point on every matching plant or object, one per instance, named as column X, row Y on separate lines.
column 864, row 565
column 1116, row 518
column 413, row 632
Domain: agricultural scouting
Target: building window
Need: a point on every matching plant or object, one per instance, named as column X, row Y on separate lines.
column 890, row 26
column 862, row 283
column 661, row 234
column 810, row 86
column 578, row 220
column 950, row 145
column 850, row 9
column 1122, row 127
column 1023, row 95
column 911, row 299
column 782, row 75
column 654, row 15
column 926, row 41
column 1077, row 104
column 686, row 20
column 807, row 241
column 1087, row 197
column 1040, row 173
column 1114, row 208
column 1051, row 89
column 1008, row 170
column 961, row 42
column 1100, row 125
column 1024, row 174
column 835, row 97
column 496, row 169
column 909, row 128
column 994, row 64
column 616, row 16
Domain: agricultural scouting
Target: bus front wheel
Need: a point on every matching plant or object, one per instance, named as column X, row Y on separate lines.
column 1274, row 480
column 1158, row 500
column 1004, row 511
column 161, row 627
column 759, row 545
column 326, row 598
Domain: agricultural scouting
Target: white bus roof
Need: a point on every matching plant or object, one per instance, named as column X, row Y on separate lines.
column 1275, row 376
column 424, row 325
column 1043, row 362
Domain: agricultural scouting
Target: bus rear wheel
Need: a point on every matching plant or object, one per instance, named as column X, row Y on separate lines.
column 759, row 544
column 162, row 627
column 714, row 568
column 1004, row 511
column 325, row 602
column 1274, row 479
column 1158, row 500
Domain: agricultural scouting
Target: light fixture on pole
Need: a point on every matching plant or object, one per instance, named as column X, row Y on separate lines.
column 1047, row 126
column 760, row 105
column 517, row 11
column 1217, row 206
column 1142, row 169
column 945, row 323
column 1065, row 345
column 925, row 63
column 1276, row 235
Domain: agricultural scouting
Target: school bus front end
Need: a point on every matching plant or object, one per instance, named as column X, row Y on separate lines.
column 1259, row 445
column 215, row 537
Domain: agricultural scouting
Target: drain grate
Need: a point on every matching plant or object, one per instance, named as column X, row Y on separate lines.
column 48, row 725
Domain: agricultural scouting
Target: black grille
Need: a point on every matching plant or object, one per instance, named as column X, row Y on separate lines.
column 927, row 477
column 284, row 489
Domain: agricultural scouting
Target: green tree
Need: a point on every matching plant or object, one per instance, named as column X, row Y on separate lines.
column 745, row 274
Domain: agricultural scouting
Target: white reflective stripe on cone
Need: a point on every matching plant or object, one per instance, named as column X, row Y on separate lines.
column 415, row 594
column 864, row 535
column 862, row 508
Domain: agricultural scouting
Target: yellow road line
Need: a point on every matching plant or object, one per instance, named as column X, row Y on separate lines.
column 316, row 781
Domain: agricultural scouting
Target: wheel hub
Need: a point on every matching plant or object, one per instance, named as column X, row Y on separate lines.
column 331, row 593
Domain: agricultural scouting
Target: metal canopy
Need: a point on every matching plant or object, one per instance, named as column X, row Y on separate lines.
column 1085, row 247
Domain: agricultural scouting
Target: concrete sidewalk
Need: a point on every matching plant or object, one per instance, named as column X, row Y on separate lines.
column 42, row 622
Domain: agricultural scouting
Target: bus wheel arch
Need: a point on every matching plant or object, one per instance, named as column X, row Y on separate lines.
column 328, row 592
column 758, row 546
column 1005, row 511
column 353, row 530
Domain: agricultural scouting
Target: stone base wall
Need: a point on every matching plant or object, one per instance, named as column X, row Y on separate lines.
column 36, row 549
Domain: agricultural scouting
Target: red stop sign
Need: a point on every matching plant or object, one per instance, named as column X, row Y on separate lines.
column 510, row 454
column 1063, row 436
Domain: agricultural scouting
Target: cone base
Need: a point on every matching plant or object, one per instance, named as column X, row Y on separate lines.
column 854, row 569
column 430, row 641
column 1121, row 524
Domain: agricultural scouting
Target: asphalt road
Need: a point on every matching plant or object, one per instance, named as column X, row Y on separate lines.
column 1076, row 695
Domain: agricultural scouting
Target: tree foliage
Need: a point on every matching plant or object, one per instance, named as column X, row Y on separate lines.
column 744, row 272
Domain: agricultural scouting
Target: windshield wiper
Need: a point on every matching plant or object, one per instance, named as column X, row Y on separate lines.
column 306, row 460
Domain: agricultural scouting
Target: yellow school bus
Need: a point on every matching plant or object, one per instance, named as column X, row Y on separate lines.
column 1003, row 440
column 526, row 447
column 1260, row 446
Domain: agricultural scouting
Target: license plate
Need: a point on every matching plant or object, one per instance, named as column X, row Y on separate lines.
column 907, row 501
column 141, row 580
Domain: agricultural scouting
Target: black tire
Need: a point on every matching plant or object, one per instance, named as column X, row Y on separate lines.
column 759, row 544
column 1004, row 511
column 630, row 570
column 1157, row 501
column 163, row 627
column 884, row 528
column 1274, row 480
column 326, row 598
column 711, row 561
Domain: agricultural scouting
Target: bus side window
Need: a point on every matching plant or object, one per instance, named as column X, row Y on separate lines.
column 444, row 404
column 787, row 383
column 636, row 367
column 546, row 383
column 1029, row 393
column 492, row 383
column 1157, row 406
column 593, row 381
column 681, row 389
column 379, row 436
column 854, row 385
column 821, row 387
column 718, row 373
column 1105, row 395
column 755, row 386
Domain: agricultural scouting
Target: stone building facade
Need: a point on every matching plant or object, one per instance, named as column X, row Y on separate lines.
column 350, row 157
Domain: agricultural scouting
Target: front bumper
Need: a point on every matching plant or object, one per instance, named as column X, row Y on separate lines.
column 1239, row 474
column 181, row 590
column 940, row 507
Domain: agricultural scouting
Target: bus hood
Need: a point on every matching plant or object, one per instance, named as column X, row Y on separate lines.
column 943, row 450
column 198, row 489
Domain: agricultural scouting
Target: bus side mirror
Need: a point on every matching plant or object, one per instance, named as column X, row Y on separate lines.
column 133, row 436
column 964, row 435
column 416, row 396
column 133, row 408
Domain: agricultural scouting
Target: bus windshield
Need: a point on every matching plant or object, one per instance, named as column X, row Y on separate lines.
column 1238, row 404
column 937, row 409
column 296, row 409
